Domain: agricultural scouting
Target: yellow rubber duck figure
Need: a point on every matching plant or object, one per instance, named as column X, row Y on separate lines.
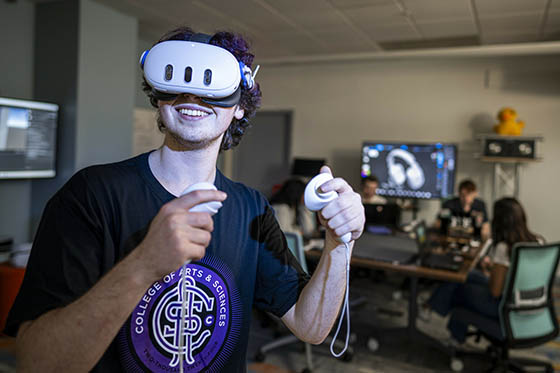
column 508, row 125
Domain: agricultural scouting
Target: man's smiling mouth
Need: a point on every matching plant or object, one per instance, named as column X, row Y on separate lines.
column 193, row 113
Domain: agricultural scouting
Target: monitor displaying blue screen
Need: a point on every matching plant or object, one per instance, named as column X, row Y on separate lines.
column 27, row 138
column 411, row 170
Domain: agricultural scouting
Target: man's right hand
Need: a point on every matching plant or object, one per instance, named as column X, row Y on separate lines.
column 176, row 235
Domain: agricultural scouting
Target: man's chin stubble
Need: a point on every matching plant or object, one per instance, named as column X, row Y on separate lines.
column 176, row 142
column 179, row 143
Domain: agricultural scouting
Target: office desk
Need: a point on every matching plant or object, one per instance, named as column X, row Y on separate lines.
column 362, row 257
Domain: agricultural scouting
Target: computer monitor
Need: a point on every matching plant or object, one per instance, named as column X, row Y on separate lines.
column 307, row 167
column 424, row 171
column 27, row 138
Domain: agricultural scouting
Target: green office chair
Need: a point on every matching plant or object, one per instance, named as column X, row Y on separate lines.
column 295, row 243
column 527, row 315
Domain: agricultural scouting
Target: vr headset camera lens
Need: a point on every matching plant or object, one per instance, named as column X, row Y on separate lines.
column 188, row 74
column 207, row 76
column 168, row 72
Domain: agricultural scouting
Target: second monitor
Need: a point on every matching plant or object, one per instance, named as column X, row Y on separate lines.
column 411, row 170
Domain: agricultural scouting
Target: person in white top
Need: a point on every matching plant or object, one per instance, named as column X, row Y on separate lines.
column 369, row 191
column 483, row 289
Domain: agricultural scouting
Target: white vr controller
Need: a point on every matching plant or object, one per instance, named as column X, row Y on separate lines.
column 315, row 200
column 210, row 207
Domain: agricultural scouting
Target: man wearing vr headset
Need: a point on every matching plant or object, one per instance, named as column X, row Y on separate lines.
column 105, row 285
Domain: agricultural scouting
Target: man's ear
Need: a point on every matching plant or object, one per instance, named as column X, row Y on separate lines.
column 239, row 112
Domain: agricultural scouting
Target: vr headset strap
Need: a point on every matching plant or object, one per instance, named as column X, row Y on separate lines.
column 228, row 101
column 201, row 38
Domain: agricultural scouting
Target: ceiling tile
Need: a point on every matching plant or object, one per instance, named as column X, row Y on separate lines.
column 447, row 42
column 457, row 27
column 391, row 32
column 326, row 20
column 501, row 7
column 346, row 41
column 359, row 4
column 255, row 18
column 552, row 22
column 351, row 47
column 438, row 10
column 294, row 6
column 511, row 24
column 295, row 44
column 385, row 14
column 265, row 50
column 551, row 36
column 291, row 27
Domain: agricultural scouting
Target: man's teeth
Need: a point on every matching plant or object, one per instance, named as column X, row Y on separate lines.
column 193, row 113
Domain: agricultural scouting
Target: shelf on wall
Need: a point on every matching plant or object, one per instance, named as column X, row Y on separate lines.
column 508, row 159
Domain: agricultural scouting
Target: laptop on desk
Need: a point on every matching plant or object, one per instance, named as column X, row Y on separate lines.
column 384, row 215
column 385, row 248
column 449, row 262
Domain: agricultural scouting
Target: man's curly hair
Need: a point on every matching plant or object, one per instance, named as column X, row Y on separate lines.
column 250, row 100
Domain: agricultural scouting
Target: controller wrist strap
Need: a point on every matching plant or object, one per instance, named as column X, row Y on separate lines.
column 345, row 310
column 183, row 290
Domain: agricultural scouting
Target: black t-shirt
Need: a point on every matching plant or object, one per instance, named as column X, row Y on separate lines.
column 478, row 207
column 103, row 213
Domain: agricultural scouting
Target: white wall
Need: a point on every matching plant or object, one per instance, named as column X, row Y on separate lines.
column 16, row 36
column 336, row 106
column 16, row 80
column 105, row 100
column 106, row 84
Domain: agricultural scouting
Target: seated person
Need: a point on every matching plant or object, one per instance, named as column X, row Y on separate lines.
column 290, row 210
column 369, row 191
column 482, row 291
column 466, row 210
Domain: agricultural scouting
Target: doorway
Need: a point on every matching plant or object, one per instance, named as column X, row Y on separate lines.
column 262, row 159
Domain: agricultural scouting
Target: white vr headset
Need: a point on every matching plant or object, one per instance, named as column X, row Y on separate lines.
column 210, row 72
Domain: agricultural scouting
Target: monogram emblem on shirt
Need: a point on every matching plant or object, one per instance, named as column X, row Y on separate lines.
column 167, row 320
column 211, row 321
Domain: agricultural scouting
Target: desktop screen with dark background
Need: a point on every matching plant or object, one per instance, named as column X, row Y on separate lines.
column 27, row 138
column 411, row 170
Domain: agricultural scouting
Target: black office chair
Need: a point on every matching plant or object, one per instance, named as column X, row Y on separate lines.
column 295, row 243
column 527, row 315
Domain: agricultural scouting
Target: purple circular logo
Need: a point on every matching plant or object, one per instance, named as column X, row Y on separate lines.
column 154, row 330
